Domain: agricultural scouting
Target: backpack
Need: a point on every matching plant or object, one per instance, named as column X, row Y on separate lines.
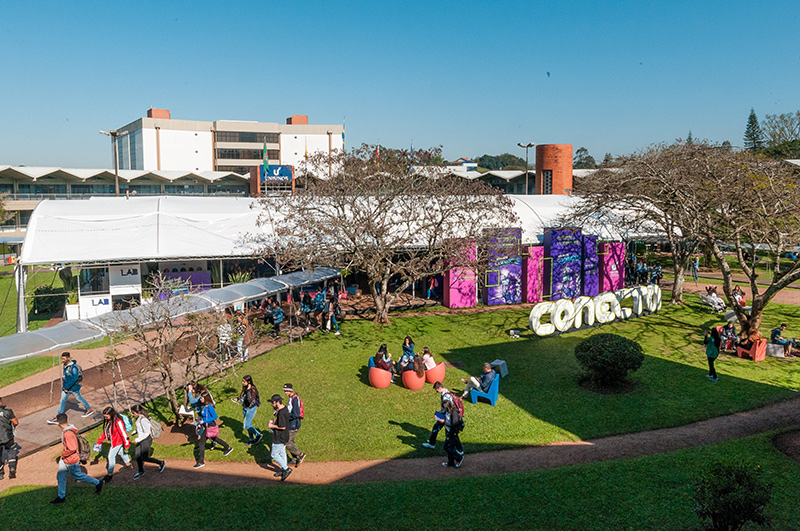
column 84, row 449
column 155, row 429
column 127, row 422
column 80, row 373
column 337, row 310
column 302, row 412
column 319, row 300
column 459, row 404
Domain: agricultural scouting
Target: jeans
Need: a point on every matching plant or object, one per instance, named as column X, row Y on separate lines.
column 201, row 446
column 77, row 394
column 10, row 450
column 248, row 413
column 333, row 322
column 711, row 371
column 278, row 454
column 435, row 432
column 76, row 472
column 112, row 457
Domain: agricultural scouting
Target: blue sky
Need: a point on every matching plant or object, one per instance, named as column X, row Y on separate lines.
column 473, row 77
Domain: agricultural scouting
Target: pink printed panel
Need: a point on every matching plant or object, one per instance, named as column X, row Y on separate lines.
column 532, row 262
column 612, row 266
column 460, row 284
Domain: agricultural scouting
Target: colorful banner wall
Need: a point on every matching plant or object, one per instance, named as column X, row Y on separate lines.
column 590, row 269
column 564, row 248
column 532, row 267
column 504, row 277
column 612, row 266
column 459, row 285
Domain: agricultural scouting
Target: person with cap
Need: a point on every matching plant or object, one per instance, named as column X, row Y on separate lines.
column 280, row 436
column 295, row 409
column 8, row 421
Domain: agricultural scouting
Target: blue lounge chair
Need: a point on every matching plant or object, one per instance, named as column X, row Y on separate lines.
column 491, row 395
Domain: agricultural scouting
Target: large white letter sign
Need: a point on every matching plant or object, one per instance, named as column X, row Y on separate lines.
column 536, row 316
column 605, row 308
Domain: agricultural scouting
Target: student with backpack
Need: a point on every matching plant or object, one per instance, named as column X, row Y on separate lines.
column 71, row 385
column 454, row 423
column 296, row 415
column 332, row 311
column 440, row 416
column 115, row 432
column 8, row 424
column 146, row 431
column 250, row 401
column 306, row 308
column 72, row 455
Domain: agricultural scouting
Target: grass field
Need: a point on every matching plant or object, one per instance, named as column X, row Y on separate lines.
column 643, row 493
column 17, row 370
column 8, row 301
column 540, row 401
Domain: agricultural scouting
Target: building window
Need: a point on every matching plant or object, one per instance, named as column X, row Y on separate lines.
column 252, row 154
column 229, row 189
column 187, row 189
column 547, row 181
column 243, row 170
column 91, row 189
column 234, row 136
column 94, row 280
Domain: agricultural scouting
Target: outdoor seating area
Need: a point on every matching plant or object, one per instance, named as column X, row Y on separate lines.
column 491, row 395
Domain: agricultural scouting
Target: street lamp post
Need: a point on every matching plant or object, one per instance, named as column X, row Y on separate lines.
column 526, row 146
column 114, row 134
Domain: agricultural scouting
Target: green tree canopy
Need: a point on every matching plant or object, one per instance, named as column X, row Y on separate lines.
column 506, row 161
column 582, row 160
column 753, row 135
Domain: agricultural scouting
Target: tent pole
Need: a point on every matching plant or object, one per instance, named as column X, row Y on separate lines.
column 22, row 309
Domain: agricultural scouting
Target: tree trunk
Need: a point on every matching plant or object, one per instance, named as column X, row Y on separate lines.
column 677, row 287
column 169, row 389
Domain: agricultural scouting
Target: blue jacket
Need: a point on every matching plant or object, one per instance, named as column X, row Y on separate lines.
column 71, row 375
column 408, row 350
column 486, row 380
column 208, row 415
column 277, row 314
column 294, row 413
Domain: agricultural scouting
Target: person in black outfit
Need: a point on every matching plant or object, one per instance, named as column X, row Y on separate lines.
column 7, row 443
column 454, row 423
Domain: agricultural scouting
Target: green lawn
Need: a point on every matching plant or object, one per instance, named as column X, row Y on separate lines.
column 643, row 493
column 8, row 301
column 17, row 370
column 540, row 402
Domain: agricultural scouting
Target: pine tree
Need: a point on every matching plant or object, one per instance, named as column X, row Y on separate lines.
column 753, row 136
column 689, row 138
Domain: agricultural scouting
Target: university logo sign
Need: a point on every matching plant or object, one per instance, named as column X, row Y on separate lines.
column 276, row 174
column 566, row 314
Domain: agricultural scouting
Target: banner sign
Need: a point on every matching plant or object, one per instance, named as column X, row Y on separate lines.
column 563, row 278
column 605, row 308
column 276, row 174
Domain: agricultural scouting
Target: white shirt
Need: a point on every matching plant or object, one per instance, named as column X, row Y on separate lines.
column 142, row 428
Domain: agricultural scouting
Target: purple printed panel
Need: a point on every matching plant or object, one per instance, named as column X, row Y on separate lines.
column 591, row 270
column 504, row 278
column 564, row 247
column 532, row 274
column 612, row 268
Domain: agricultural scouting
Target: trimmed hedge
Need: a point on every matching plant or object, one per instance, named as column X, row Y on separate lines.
column 607, row 358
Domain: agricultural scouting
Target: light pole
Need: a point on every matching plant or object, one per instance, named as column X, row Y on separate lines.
column 114, row 134
column 526, row 146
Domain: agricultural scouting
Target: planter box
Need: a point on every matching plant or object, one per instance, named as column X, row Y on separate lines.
column 71, row 312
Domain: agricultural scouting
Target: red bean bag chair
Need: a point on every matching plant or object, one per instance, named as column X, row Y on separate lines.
column 379, row 378
column 412, row 381
column 436, row 374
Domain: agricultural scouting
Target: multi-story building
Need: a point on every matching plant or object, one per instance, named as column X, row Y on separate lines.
column 158, row 142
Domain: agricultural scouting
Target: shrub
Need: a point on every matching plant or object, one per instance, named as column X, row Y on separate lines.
column 730, row 495
column 607, row 358
column 48, row 299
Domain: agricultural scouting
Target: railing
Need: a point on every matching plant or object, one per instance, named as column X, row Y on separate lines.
column 39, row 197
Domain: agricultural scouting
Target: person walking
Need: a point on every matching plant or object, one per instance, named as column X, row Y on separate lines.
column 280, row 436
column 330, row 311
column 114, row 432
column 454, row 423
column 250, row 401
column 695, row 268
column 70, row 461
column 712, row 342
column 71, row 385
column 8, row 423
column 296, row 415
column 207, row 429
column 144, row 441
column 439, row 416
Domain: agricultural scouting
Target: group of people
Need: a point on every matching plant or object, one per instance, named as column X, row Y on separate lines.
column 409, row 361
column 324, row 307
column 639, row 272
column 235, row 336
column 717, row 340
column 284, row 425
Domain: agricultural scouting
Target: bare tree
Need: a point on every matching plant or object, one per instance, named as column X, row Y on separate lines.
column 781, row 128
column 172, row 339
column 643, row 194
column 392, row 215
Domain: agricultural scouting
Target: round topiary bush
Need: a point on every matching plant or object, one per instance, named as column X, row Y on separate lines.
column 727, row 496
column 607, row 358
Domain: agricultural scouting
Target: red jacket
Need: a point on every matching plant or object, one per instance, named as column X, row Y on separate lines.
column 118, row 435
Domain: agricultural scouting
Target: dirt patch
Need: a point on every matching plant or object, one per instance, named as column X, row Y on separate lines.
column 788, row 443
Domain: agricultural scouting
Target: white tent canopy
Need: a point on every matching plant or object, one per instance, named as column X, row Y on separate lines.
column 139, row 229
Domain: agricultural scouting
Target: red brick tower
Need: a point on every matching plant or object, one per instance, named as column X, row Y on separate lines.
column 554, row 169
